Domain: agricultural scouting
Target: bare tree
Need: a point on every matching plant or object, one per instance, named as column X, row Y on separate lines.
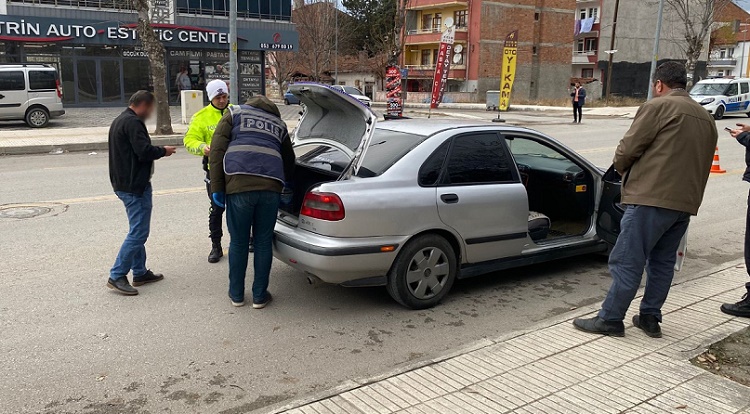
column 155, row 50
column 316, row 22
column 283, row 66
column 697, row 19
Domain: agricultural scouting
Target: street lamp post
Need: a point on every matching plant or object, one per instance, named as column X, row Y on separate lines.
column 655, row 56
column 611, row 51
column 336, row 57
column 233, row 83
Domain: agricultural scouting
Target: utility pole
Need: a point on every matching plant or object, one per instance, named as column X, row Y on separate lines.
column 234, row 88
column 612, row 50
column 655, row 57
column 336, row 58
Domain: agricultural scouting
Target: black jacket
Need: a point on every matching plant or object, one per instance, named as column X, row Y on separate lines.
column 744, row 139
column 581, row 96
column 131, row 155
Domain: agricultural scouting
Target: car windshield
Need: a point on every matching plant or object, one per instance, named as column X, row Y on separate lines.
column 701, row 89
column 352, row 90
column 385, row 149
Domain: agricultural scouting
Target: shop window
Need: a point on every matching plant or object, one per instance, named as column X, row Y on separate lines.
column 461, row 18
column 42, row 80
column 12, row 81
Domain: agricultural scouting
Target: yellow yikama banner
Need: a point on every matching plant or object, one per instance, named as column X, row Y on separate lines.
column 508, row 76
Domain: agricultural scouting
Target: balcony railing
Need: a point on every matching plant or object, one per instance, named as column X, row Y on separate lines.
column 432, row 67
column 722, row 62
column 92, row 4
column 431, row 30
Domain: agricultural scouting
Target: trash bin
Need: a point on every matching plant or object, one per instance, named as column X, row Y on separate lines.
column 190, row 102
column 493, row 100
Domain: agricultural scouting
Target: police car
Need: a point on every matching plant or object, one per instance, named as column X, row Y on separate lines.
column 723, row 96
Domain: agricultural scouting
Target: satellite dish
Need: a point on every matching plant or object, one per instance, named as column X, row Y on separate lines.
column 448, row 21
column 457, row 58
column 458, row 48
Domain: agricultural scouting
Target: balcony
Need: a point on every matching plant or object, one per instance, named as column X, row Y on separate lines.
column 425, row 36
column 429, row 4
column 722, row 63
column 584, row 57
column 457, row 72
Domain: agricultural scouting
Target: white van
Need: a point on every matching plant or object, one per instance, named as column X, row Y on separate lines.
column 30, row 92
column 723, row 96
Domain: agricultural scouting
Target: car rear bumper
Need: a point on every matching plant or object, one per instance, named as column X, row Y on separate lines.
column 57, row 113
column 349, row 261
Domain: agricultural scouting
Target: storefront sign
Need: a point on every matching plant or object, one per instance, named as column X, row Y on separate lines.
column 393, row 91
column 510, row 56
column 50, row 30
column 440, row 80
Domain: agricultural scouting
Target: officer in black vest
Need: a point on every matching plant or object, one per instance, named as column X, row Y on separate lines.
column 251, row 157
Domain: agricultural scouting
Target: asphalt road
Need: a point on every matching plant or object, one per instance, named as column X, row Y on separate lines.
column 69, row 345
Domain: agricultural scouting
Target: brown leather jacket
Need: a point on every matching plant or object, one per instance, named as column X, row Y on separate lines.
column 666, row 155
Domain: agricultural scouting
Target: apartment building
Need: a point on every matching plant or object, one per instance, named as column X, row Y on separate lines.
column 586, row 47
column 729, row 54
column 95, row 47
column 543, row 69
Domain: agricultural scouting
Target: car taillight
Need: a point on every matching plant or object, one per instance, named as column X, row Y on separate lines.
column 323, row 206
column 59, row 88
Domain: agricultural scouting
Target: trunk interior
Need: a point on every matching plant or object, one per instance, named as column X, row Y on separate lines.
column 303, row 180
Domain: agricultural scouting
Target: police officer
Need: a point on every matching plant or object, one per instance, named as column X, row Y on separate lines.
column 198, row 142
column 250, row 159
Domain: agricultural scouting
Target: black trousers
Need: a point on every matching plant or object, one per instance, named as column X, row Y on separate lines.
column 215, row 213
column 577, row 112
column 747, row 242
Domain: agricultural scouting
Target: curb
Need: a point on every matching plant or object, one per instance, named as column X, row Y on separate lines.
column 352, row 384
column 160, row 140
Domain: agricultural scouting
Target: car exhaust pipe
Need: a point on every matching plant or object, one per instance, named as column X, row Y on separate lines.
column 312, row 279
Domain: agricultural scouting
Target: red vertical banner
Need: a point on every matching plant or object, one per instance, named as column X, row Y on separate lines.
column 393, row 91
column 443, row 66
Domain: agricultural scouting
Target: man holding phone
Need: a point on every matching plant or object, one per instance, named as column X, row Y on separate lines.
column 742, row 308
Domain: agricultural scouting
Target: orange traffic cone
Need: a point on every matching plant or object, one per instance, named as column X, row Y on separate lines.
column 715, row 167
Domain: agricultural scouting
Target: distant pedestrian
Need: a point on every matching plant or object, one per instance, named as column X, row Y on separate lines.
column 131, row 164
column 742, row 308
column 578, row 97
column 198, row 142
column 251, row 157
column 665, row 160
column 183, row 82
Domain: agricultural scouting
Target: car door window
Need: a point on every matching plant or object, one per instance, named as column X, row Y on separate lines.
column 732, row 90
column 12, row 81
column 478, row 159
column 42, row 80
column 429, row 173
column 745, row 88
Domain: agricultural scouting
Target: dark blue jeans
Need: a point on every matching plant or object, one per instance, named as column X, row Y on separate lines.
column 649, row 237
column 256, row 210
column 132, row 254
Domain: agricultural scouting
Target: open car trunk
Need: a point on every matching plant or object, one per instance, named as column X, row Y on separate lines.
column 305, row 178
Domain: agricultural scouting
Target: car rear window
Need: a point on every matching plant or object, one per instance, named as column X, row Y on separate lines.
column 42, row 80
column 385, row 149
column 12, row 81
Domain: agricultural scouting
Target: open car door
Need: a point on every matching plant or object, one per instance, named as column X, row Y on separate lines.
column 610, row 210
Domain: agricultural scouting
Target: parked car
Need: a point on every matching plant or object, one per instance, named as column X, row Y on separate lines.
column 415, row 204
column 354, row 92
column 30, row 92
column 723, row 96
column 290, row 99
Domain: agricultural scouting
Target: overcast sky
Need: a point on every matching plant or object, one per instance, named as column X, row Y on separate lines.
column 744, row 3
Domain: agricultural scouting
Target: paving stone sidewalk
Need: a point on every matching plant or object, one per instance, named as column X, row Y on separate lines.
column 556, row 369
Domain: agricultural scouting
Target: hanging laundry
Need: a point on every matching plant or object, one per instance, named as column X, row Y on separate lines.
column 587, row 25
column 577, row 28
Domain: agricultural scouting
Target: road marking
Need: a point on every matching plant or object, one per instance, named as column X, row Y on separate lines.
column 597, row 150
column 113, row 197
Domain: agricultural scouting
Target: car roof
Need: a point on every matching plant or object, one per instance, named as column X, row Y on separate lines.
column 723, row 80
column 432, row 126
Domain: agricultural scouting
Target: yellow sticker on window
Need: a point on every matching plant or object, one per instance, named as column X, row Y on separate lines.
column 580, row 189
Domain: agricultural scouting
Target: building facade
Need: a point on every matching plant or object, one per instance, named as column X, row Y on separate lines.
column 95, row 47
column 543, row 69
column 730, row 42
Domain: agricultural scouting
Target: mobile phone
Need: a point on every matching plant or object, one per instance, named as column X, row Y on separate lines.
column 727, row 129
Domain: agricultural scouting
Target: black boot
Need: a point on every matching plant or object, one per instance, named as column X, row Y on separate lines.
column 648, row 324
column 216, row 253
column 122, row 286
column 741, row 308
column 597, row 325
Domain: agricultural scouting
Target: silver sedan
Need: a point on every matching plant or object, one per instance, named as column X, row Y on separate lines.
column 415, row 204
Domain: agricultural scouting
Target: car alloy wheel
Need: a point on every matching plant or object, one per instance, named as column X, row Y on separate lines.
column 37, row 118
column 423, row 272
column 428, row 272
column 286, row 101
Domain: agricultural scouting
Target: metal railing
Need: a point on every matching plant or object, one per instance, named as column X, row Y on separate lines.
column 91, row 4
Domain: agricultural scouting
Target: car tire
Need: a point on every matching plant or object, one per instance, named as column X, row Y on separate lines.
column 423, row 272
column 286, row 101
column 719, row 114
column 37, row 117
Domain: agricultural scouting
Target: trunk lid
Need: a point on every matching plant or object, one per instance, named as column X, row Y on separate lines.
column 334, row 118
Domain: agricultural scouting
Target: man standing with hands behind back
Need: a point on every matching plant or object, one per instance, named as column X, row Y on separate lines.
column 131, row 165
column 742, row 308
column 665, row 160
